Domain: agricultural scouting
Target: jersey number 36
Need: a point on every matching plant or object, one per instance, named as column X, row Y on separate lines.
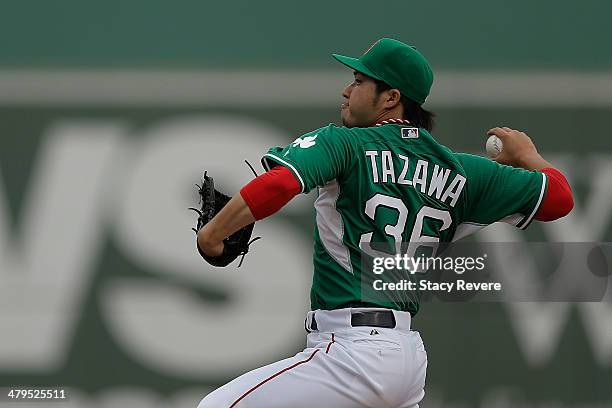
column 396, row 231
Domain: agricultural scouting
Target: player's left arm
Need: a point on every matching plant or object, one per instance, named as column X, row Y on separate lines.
column 520, row 151
column 262, row 197
column 310, row 161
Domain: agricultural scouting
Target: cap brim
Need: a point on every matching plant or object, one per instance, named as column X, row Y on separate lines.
column 355, row 64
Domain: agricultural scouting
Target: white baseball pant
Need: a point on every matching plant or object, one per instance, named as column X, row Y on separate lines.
column 342, row 367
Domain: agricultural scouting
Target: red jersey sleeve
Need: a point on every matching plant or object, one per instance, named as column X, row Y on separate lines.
column 559, row 200
column 268, row 193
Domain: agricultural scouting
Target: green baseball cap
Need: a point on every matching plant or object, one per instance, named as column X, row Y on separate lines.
column 397, row 64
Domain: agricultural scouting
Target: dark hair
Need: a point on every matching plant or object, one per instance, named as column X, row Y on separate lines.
column 413, row 112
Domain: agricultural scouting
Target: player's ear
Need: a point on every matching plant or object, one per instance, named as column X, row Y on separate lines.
column 393, row 98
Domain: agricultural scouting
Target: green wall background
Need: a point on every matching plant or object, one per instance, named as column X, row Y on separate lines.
column 478, row 34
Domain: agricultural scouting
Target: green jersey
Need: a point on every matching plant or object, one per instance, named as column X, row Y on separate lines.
column 393, row 184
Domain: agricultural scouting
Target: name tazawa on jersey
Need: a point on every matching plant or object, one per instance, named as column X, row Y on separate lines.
column 436, row 185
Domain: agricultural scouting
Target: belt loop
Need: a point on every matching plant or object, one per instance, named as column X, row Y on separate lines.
column 308, row 322
column 402, row 320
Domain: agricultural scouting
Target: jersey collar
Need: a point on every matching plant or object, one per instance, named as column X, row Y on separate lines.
column 392, row 121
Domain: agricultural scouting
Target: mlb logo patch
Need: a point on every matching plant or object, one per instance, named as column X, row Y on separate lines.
column 410, row 133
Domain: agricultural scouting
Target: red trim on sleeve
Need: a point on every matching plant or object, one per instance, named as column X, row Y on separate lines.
column 559, row 200
column 268, row 193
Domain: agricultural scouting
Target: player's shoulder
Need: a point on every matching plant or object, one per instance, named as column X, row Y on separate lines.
column 330, row 133
column 426, row 145
column 480, row 171
column 480, row 165
column 472, row 160
column 333, row 133
column 475, row 167
column 332, row 128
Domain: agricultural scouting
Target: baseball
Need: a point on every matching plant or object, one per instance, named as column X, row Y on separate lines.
column 494, row 146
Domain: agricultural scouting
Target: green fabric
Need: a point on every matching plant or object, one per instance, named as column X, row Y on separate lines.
column 316, row 157
column 496, row 191
column 390, row 184
column 397, row 64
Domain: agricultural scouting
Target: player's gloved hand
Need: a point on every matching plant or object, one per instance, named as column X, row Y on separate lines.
column 212, row 201
column 518, row 150
column 233, row 246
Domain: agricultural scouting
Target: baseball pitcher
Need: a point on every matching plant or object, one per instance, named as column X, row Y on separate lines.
column 382, row 180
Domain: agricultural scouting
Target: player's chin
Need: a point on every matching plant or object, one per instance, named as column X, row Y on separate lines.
column 346, row 119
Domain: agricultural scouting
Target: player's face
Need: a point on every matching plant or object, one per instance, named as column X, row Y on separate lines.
column 360, row 109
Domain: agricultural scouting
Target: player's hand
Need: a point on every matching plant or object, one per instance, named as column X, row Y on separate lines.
column 224, row 225
column 208, row 246
column 518, row 149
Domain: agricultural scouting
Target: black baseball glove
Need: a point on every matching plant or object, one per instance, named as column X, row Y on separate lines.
column 211, row 202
